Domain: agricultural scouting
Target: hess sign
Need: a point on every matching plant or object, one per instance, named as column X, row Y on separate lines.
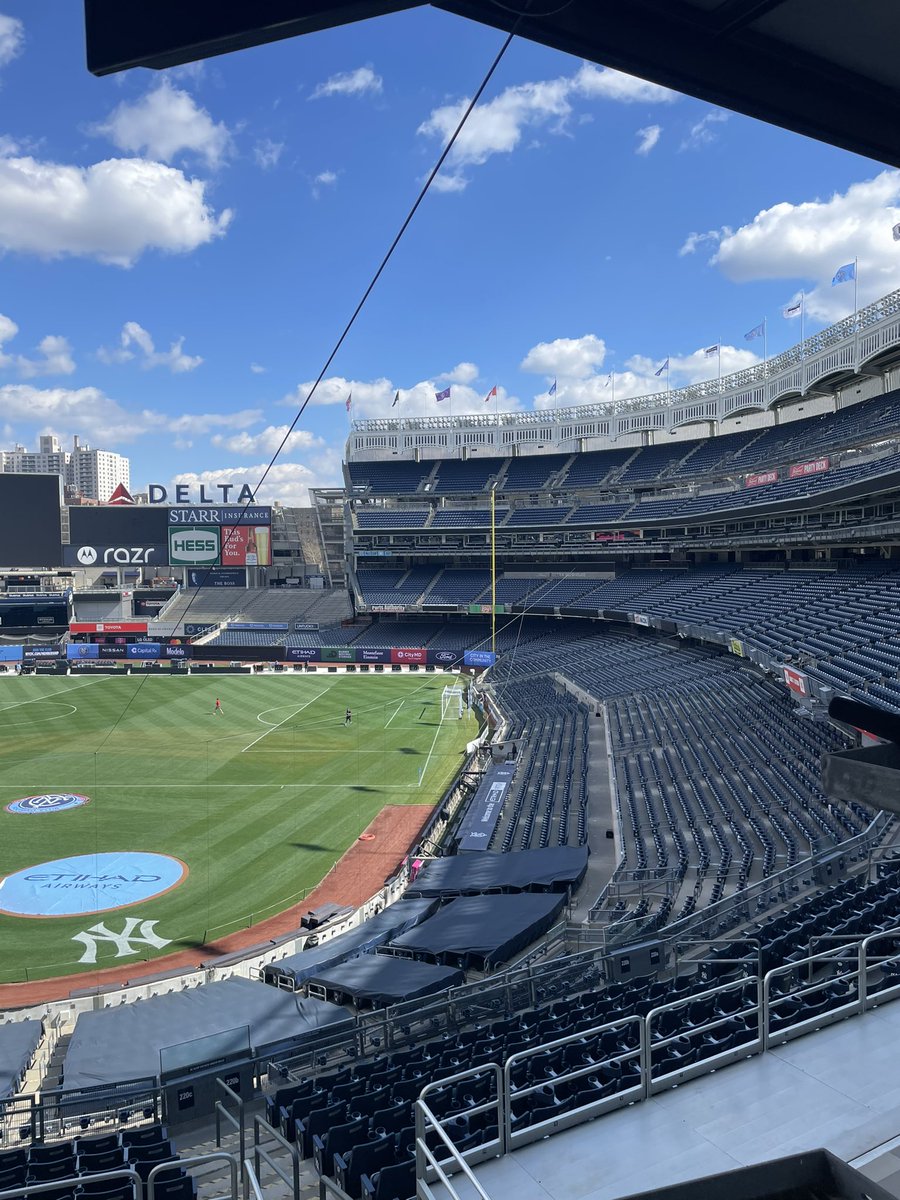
column 194, row 547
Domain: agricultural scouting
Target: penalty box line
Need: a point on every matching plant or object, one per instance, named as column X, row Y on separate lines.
column 289, row 717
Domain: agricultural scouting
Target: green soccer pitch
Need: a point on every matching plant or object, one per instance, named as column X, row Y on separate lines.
column 259, row 801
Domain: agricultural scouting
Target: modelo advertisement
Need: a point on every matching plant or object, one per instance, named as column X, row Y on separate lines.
column 176, row 652
column 405, row 655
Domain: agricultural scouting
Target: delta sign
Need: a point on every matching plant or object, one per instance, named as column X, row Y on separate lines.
column 213, row 493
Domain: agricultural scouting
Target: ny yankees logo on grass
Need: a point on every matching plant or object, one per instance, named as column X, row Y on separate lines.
column 126, row 943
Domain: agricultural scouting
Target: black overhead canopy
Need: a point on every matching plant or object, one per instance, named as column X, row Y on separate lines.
column 553, row 869
column 825, row 68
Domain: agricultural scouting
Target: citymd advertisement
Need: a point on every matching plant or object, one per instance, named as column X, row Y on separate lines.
column 406, row 655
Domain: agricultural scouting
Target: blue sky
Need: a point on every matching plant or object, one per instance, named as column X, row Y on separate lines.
column 180, row 250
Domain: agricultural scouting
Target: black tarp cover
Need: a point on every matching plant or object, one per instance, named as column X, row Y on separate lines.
column 483, row 930
column 554, row 869
column 396, row 919
column 18, row 1042
column 379, row 980
column 118, row 1044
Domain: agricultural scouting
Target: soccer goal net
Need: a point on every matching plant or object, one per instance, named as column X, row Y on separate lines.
column 452, row 703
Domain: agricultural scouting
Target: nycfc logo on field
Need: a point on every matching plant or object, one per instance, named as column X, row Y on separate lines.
column 50, row 803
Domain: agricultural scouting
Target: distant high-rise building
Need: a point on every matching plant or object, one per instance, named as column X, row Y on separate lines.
column 91, row 474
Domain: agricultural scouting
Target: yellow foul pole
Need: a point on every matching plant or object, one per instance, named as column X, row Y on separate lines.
column 493, row 571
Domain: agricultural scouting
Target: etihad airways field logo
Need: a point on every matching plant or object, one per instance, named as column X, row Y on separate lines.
column 51, row 802
column 89, row 883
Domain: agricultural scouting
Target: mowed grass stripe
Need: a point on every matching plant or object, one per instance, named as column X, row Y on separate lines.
column 254, row 828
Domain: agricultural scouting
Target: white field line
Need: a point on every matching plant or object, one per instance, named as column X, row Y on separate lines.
column 431, row 751
column 65, row 692
column 266, row 732
column 118, row 787
column 394, row 713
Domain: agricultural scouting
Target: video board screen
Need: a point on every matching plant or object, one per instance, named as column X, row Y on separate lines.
column 30, row 531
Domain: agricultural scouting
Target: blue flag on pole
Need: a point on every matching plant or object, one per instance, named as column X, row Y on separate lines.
column 794, row 310
column 551, row 390
column 844, row 274
column 755, row 332
column 444, row 395
column 711, row 350
column 664, row 367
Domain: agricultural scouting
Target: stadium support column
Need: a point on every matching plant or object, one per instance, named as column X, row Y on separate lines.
column 494, row 568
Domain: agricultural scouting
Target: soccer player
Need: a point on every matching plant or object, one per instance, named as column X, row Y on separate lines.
column 348, row 717
column 217, row 711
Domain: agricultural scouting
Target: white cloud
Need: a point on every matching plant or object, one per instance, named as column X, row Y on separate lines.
column 267, row 441
column 55, row 350
column 566, row 358
column 694, row 241
column 704, row 131
column 12, row 38
column 375, row 398
column 464, row 372
column 113, row 211
column 648, row 137
column 166, row 122
column 56, row 358
column 134, row 334
column 578, row 383
column 604, row 83
column 257, row 369
column 810, row 240
column 350, row 83
column 287, row 483
column 102, row 420
column 267, row 153
column 323, row 179
column 498, row 126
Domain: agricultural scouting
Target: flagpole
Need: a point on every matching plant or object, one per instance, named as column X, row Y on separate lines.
column 493, row 569
column 856, row 314
column 765, row 347
column 613, row 387
column 719, row 348
column 668, row 389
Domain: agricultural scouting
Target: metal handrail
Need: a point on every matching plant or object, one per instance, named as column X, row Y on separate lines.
column 238, row 1123
column 61, row 1185
column 261, row 1153
column 251, row 1183
column 425, row 1157
column 195, row 1161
